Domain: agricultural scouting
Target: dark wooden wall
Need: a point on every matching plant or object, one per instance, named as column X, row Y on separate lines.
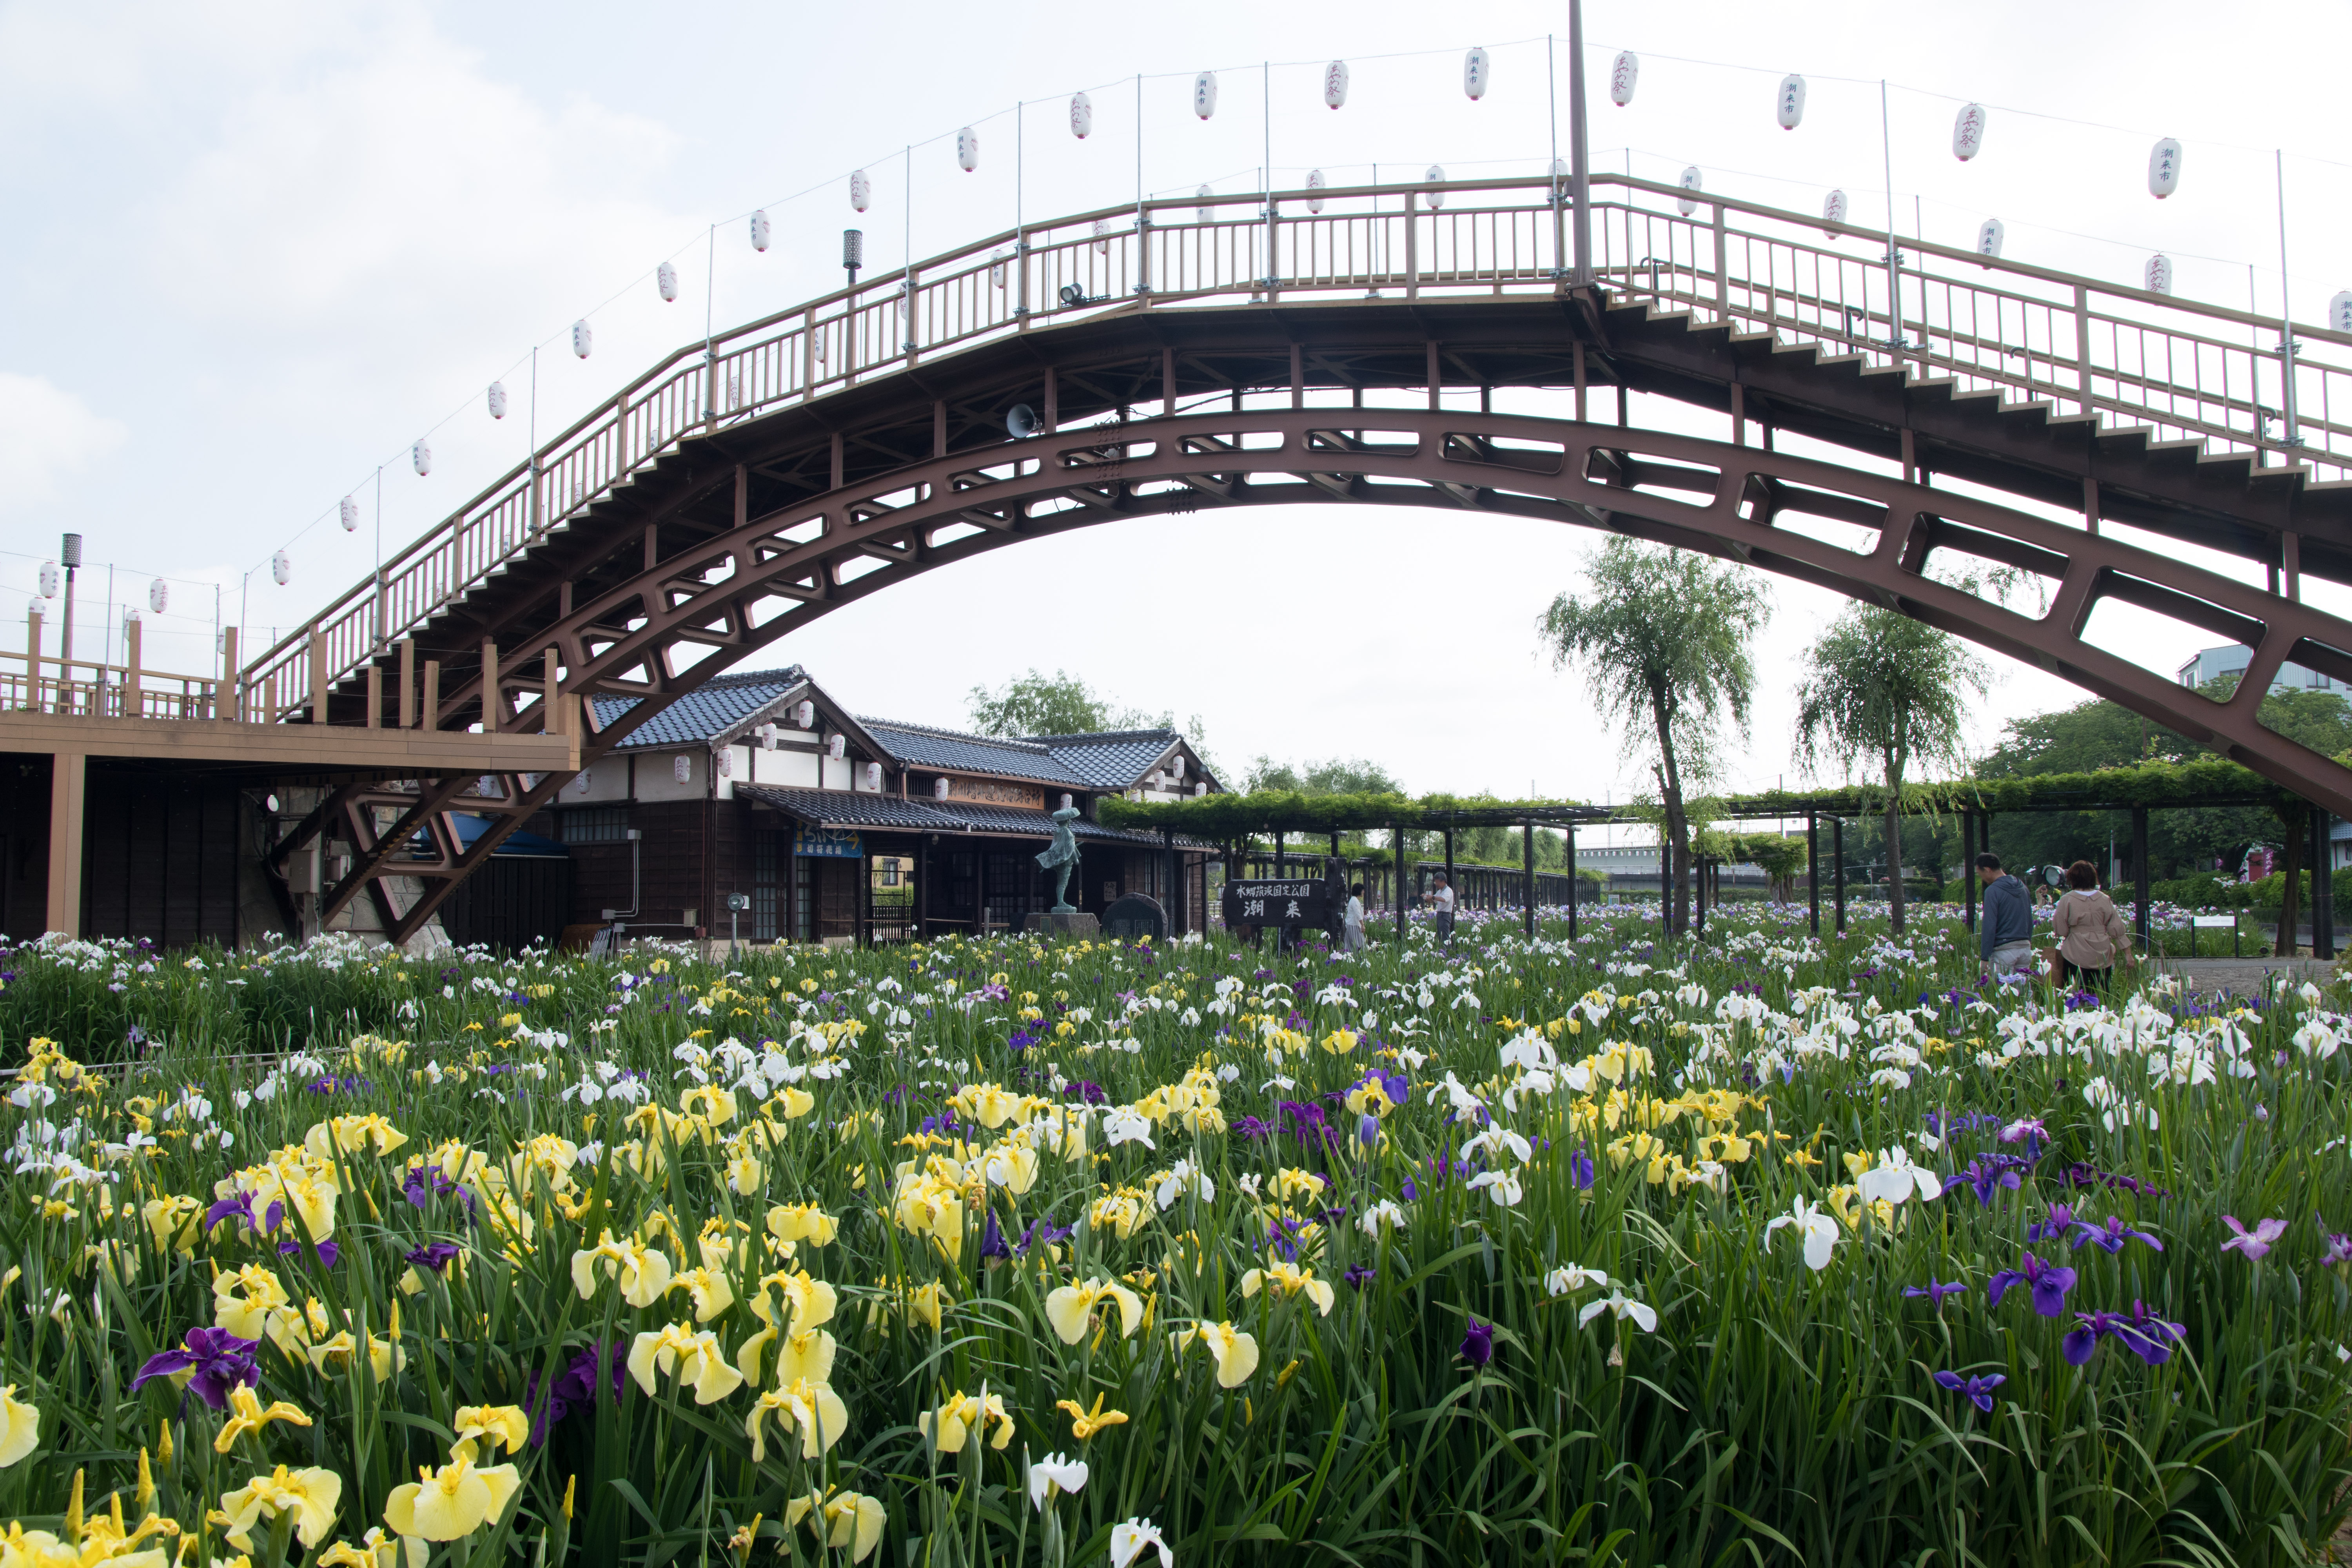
column 160, row 855
column 24, row 845
column 510, row 902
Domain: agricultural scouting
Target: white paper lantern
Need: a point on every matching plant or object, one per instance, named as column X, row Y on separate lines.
column 1833, row 210
column 1102, row 236
column 1176, row 767
column 497, row 400
column 1205, row 215
column 1200, row 789
column 2164, row 168
column 420, row 457
column 132, row 615
column 583, row 337
column 968, row 149
column 347, row 514
column 940, row 788
column 1315, row 182
column 1065, row 803
column 873, row 776
column 1790, row 107
column 1435, row 177
column 2157, row 277
column 1623, row 74
column 1335, row 84
column 1989, row 235
column 1559, row 169
column 666, row 281
column 836, row 747
column 1082, row 115
column 727, row 764
column 581, row 781
column 2340, row 311
column 1477, row 73
column 50, row 581
column 280, row 568
column 681, row 768
column 861, row 190
column 1204, row 94
column 1967, row 132
column 759, row 231
column 805, row 715
column 159, row 595
column 996, row 266
column 1689, row 182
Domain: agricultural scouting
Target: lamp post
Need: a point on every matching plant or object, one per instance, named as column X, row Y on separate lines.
column 853, row 252
column 69, row 556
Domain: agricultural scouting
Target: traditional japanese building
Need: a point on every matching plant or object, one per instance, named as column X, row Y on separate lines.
column 834, row 825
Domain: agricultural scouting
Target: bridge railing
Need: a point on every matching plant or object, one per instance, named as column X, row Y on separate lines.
column 95, row 689
column 2194, row 371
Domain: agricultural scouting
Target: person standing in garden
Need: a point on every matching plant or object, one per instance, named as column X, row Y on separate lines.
column 2005, row 935
column 1352, row 939
column 1442, row 897
column 2092, row 932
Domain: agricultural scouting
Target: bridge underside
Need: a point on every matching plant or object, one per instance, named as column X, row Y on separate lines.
column 740, row 536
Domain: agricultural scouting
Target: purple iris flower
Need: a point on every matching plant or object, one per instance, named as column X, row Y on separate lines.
column 1410, row 1190
column 1022, row 1041
column 2112, row 1235
column 2339, row 1246
column 2083, row 1341
column 1367, row 1131
column 241, row 1207
column 433, row 1255
column 1933, row 1291
column 991, row 1239
column 2082, row 1175
column 2062, row 1220
column 2025, row 1127
column 2255, row 1242
column 1579, row 1169
column 1358, row 1275
column 1087, row 1090
column 1478, row 1343
column 327, row 1251
column 1987, row 1177
column 2048, row 1281
column 1979, row 1389
column 217, row 1360
column 1044, row 1232
column 1252, row 1129
column 2145, row 1333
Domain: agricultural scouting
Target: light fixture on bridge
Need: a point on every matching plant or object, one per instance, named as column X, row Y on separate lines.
column 1315, row 182
column 497, row 400
column 1334, row 85
column 1102, row 236
column 2159, row 275
column 1082, row 115
column 1967, row 132
column 159, row 593
column 347, row 514
column 1624, row 72
column 1990, row 234
column 1074, row 294
column 281, row 568
column 420, row 457
column 2340, row 311
column 1790, row 109
column 49, row 579
column 861, row 190
column 1021, row 422
column 1435, row 177
column 2164, row 168
column 760, row 230
column 996, row 266
column 853, row 253
column 1833, row 210
column 1689, row 182
column 1478, row 74
column 665, row 282
column 1204, row 94
column 968, row 149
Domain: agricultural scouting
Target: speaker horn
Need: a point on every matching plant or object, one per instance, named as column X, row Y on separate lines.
column 1021, row 421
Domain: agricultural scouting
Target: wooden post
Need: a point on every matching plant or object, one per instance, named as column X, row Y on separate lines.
column 2323, row 897
column 1573, row 890
column 375, row 698
column 1814, row 870
column 1968, row 864
column 1837, row 869
column 409, row 683
column 432, row 694
column 1528, row 873
column 69, row 787
column 131, row 703
column 230, row 703
column 33, row 657
column 1396, row 853
column 552, row 701
column 2141, row 923
column 318, row 675
column 494, row 700
column 1450, row 886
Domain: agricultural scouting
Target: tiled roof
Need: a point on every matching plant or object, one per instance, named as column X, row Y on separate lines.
column 852, row 808
column 921, row 746
column 1117, row 759
column 702, row 715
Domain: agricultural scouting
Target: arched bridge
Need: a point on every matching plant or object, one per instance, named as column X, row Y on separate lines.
column 825, row 453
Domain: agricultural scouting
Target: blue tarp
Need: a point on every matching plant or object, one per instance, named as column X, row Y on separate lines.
column 471, row 828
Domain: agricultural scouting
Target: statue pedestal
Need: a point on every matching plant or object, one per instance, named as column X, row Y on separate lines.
column 1077, row 924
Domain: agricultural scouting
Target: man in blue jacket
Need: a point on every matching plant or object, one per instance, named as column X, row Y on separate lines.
column 2005, row 932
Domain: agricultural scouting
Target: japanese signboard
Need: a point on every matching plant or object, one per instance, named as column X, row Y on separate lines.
column 829, row 842
column 1289, row 902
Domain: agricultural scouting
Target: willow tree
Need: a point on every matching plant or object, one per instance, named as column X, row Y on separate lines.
column 1884, row 689
column 1663, row 636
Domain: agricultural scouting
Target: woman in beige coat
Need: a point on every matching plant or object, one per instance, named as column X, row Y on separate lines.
column 2092, row 932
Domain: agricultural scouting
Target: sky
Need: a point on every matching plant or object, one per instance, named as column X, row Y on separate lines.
column 255, row 251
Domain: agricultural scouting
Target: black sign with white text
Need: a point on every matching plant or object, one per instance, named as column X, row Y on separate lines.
column 1289, row 902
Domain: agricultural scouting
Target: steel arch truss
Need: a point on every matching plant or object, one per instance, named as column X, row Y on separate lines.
column 1909, row 547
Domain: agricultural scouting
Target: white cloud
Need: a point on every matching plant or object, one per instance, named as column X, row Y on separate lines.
column 48, row 435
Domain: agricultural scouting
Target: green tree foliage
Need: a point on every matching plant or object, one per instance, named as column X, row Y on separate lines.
column 1883, row 687
column 1330, row 776
column 1063, row 704
column 1663, row 636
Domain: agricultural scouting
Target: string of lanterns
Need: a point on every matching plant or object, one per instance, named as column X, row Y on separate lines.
column 1969, row 128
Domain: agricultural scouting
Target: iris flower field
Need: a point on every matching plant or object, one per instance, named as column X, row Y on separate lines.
column 1762, row 1250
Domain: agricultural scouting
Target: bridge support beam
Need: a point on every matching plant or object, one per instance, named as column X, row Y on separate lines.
column 68, row 793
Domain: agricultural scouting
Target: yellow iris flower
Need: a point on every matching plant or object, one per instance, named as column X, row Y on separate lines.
column 1289, row 1279
column 811, row 1409
column 695, row 1355
column 451, row 1502
column 244, row 1298
column 1085, row 1424
column 845, row 1518
column 644, row 1273
column 710, row 1292
column 961, row 1413
column 377, row 1550
column 246, row 1414
column 1071, row 1309
column 501, row 1424
column 803, row 1222
column 20, row 1427
column 309, row 1495
column 1234, row 1352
